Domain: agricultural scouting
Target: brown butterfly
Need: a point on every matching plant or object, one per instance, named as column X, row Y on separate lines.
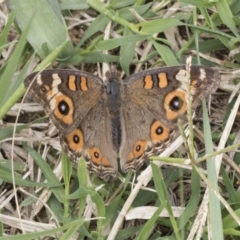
column 136, row 117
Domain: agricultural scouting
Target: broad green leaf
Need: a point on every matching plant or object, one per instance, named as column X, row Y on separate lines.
column 166, row 54
column 116, row 42
column 74, row 5
column 226, row 15
column 99, row 23
column 48, row 30
column 158, row 25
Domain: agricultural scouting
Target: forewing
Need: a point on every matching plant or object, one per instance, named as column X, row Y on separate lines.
column 66, row 95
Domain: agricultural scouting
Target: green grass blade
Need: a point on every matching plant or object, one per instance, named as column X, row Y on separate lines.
column 19, row 80
column 7, row 177
column 214, row 203
column 229, row 222
column 129, row 16
column 97, row 57
column 11, row 66
column 7, row 166
column 127, row 233
column 11, row 98
column 48, row 173
column 67, row 172
column 127, row 52
column 158, row 25
column 193, row 202
column 115, row 204
column 150, row 224
column 5, row 31
column 116, row 42
column 198, row 3
column 166, row 54
column 48, row 30
column 74, row 5
column 100, row 209
column 99, row 23
column 45, row 233
column 163, row 196
column 226, row 16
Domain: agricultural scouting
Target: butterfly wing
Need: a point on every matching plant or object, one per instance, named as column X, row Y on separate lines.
column 151, row 103
column 66, row 95
column 77, row 105
column 92, row 139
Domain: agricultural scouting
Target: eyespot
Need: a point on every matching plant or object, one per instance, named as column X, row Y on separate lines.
column 139, row 148
column 175, row 104
column 44, row 89
column 63, row 107
column 159, row 132
column 96, row 154
column 98, row 158
column 75, row 140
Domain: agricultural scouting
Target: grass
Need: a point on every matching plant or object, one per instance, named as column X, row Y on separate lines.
column 42, row 195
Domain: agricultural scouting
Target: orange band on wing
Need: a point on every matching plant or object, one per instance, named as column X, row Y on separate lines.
column 83, row 84
column 148, row 82
column 163, row 82
column 72, row 82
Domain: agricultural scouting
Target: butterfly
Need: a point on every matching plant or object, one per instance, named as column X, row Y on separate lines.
column 135, row 117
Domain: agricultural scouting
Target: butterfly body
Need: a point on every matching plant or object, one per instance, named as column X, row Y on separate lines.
column 136, row 117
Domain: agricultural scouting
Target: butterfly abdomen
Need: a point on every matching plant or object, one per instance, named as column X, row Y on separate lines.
column 113, row 92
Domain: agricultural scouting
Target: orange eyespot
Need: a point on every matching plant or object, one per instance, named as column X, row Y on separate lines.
column 159, row 132
column 97, row 157
column 64, row 108
column 75, row 140
column 139, row 148
column 175, row 104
